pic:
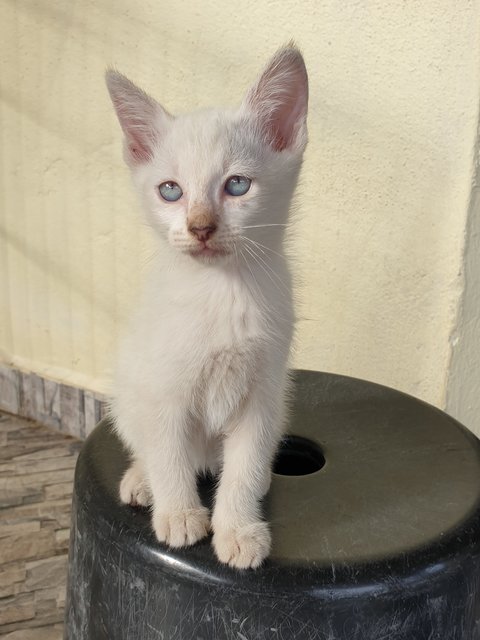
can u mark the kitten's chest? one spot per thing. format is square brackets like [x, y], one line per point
[233, 336]
[229, 317]
[230, 366]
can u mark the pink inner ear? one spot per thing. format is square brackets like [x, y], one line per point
[280, 99]
[136, 120]
[139, 147]
[139, 116]
[286, 120]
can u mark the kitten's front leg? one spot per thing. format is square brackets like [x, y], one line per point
[134, 489]
[241, 538]
[178, 517]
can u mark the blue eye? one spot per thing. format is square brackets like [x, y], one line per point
[170, 191]
[237, 185]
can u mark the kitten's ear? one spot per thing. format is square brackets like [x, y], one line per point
[141, 117]
[279, 100]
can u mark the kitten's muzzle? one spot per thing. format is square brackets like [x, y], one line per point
[202, 233]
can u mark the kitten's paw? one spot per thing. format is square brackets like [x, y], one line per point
[134, 489]
[181, 528]
[243, 547]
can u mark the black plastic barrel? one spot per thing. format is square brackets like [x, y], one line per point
[375, 515]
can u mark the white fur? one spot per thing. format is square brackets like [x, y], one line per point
[202, 375]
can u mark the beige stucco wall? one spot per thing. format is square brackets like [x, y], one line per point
[385, 189]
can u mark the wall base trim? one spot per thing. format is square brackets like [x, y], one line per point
[68, 409]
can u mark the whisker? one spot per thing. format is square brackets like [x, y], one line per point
[264, 307]
[257, 286]
[146, 260]
[260, 226]
[259, 244]
[257, 260]
[236, 253]
[266, 310]
[272, 271]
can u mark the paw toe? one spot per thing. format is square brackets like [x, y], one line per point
[181, 528]
[134, 489]
[243, 547]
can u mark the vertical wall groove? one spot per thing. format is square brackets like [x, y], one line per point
[463, 388]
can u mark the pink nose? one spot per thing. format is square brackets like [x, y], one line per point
[203, 233]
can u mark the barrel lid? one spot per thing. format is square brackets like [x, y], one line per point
[392, 491]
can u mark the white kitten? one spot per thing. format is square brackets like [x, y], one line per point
[202, 375]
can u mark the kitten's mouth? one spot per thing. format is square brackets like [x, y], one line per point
[207, 252]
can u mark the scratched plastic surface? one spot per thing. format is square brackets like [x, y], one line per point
[381, 543]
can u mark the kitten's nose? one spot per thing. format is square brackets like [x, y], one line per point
[203, 233]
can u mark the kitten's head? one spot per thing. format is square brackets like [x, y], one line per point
[211, 180]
